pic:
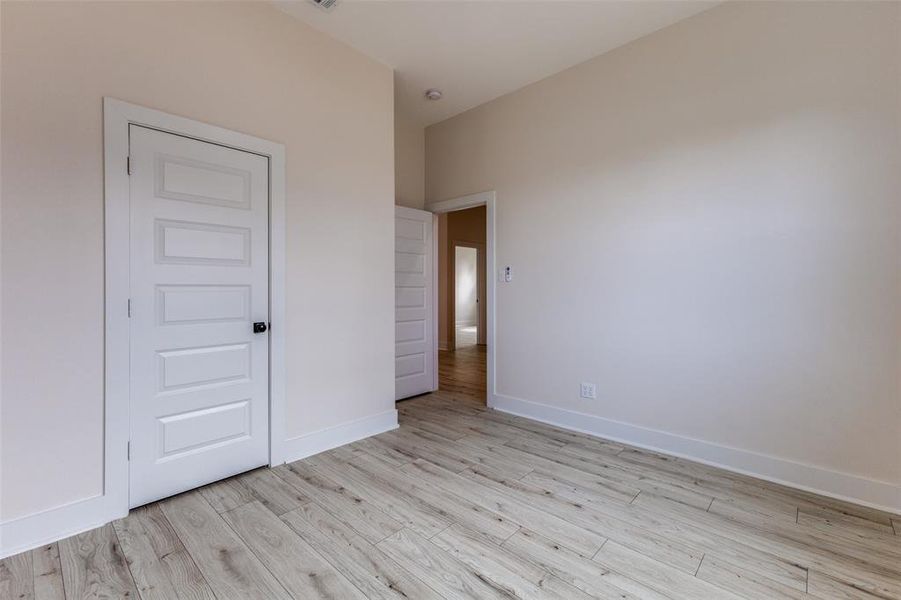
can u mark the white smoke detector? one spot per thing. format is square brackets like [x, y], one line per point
[326, 5]
[433, 94]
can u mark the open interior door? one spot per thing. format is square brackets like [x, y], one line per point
[414, 352]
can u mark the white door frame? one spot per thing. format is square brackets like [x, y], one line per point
[489, 201]
[117, 117]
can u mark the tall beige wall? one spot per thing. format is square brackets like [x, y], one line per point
[705, 223]
[243, 66]
[409, 161]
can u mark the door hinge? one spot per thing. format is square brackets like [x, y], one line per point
[128, 449]
[128, 165]
[129, 308]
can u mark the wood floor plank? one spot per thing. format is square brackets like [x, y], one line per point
[608, 467]
[746, 492]
[272, 491]
[851, 522]
[403, 446]
[374, 572]
[518, 511]
[763, 564]
[406, 510]
[666, 580]
[157, 559]
[458, 510]
[471, 423]
[356, 512]
[601, 485]
[94, 566]
[443, 455]
[226, 495]
[666, 550]
[463, 373]
[521, 578]
[475, 456]
[297, 566]
[441, 571]
[858, 572]
[886, 558]
[745, 583]
[578, 570]
[445, 430]
[823, 586]
[229, 567]
[260, 484]
[48, 573]
[543, 430]
[376, 447]
[17, 577]
[850, 528]
[725, 487]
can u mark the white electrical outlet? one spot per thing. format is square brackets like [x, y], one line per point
[588, 391]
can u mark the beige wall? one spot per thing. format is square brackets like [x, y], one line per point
[409, 161]
[458, 226]
[243, 66]
[706, 224]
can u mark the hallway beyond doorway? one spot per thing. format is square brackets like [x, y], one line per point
[463, 373]
[466, 336]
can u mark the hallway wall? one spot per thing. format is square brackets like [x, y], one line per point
[466, 274]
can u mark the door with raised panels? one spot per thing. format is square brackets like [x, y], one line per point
[414, 354]
[199, 308]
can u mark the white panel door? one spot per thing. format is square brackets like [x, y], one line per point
[199, 280]
[414, 354]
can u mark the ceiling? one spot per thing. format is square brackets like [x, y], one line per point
[477, 50]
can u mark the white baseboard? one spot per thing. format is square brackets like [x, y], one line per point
[881, 495]
[32, 531]
[338, 435]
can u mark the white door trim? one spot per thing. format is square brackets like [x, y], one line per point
[489, 201]
[117, 116]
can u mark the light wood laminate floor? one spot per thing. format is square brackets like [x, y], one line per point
[465, 502]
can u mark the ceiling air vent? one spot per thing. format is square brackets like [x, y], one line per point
[326, 5]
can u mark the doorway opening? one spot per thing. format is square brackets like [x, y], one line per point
[462, 314]
[434, 358]
[468, 294]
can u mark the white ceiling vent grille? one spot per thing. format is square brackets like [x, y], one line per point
[326, 5]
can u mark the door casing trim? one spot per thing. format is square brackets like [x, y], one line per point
[117, 117]
[489, 201]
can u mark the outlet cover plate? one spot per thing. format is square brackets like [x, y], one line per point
[588, 391]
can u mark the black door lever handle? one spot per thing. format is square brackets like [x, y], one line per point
[260, 327]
